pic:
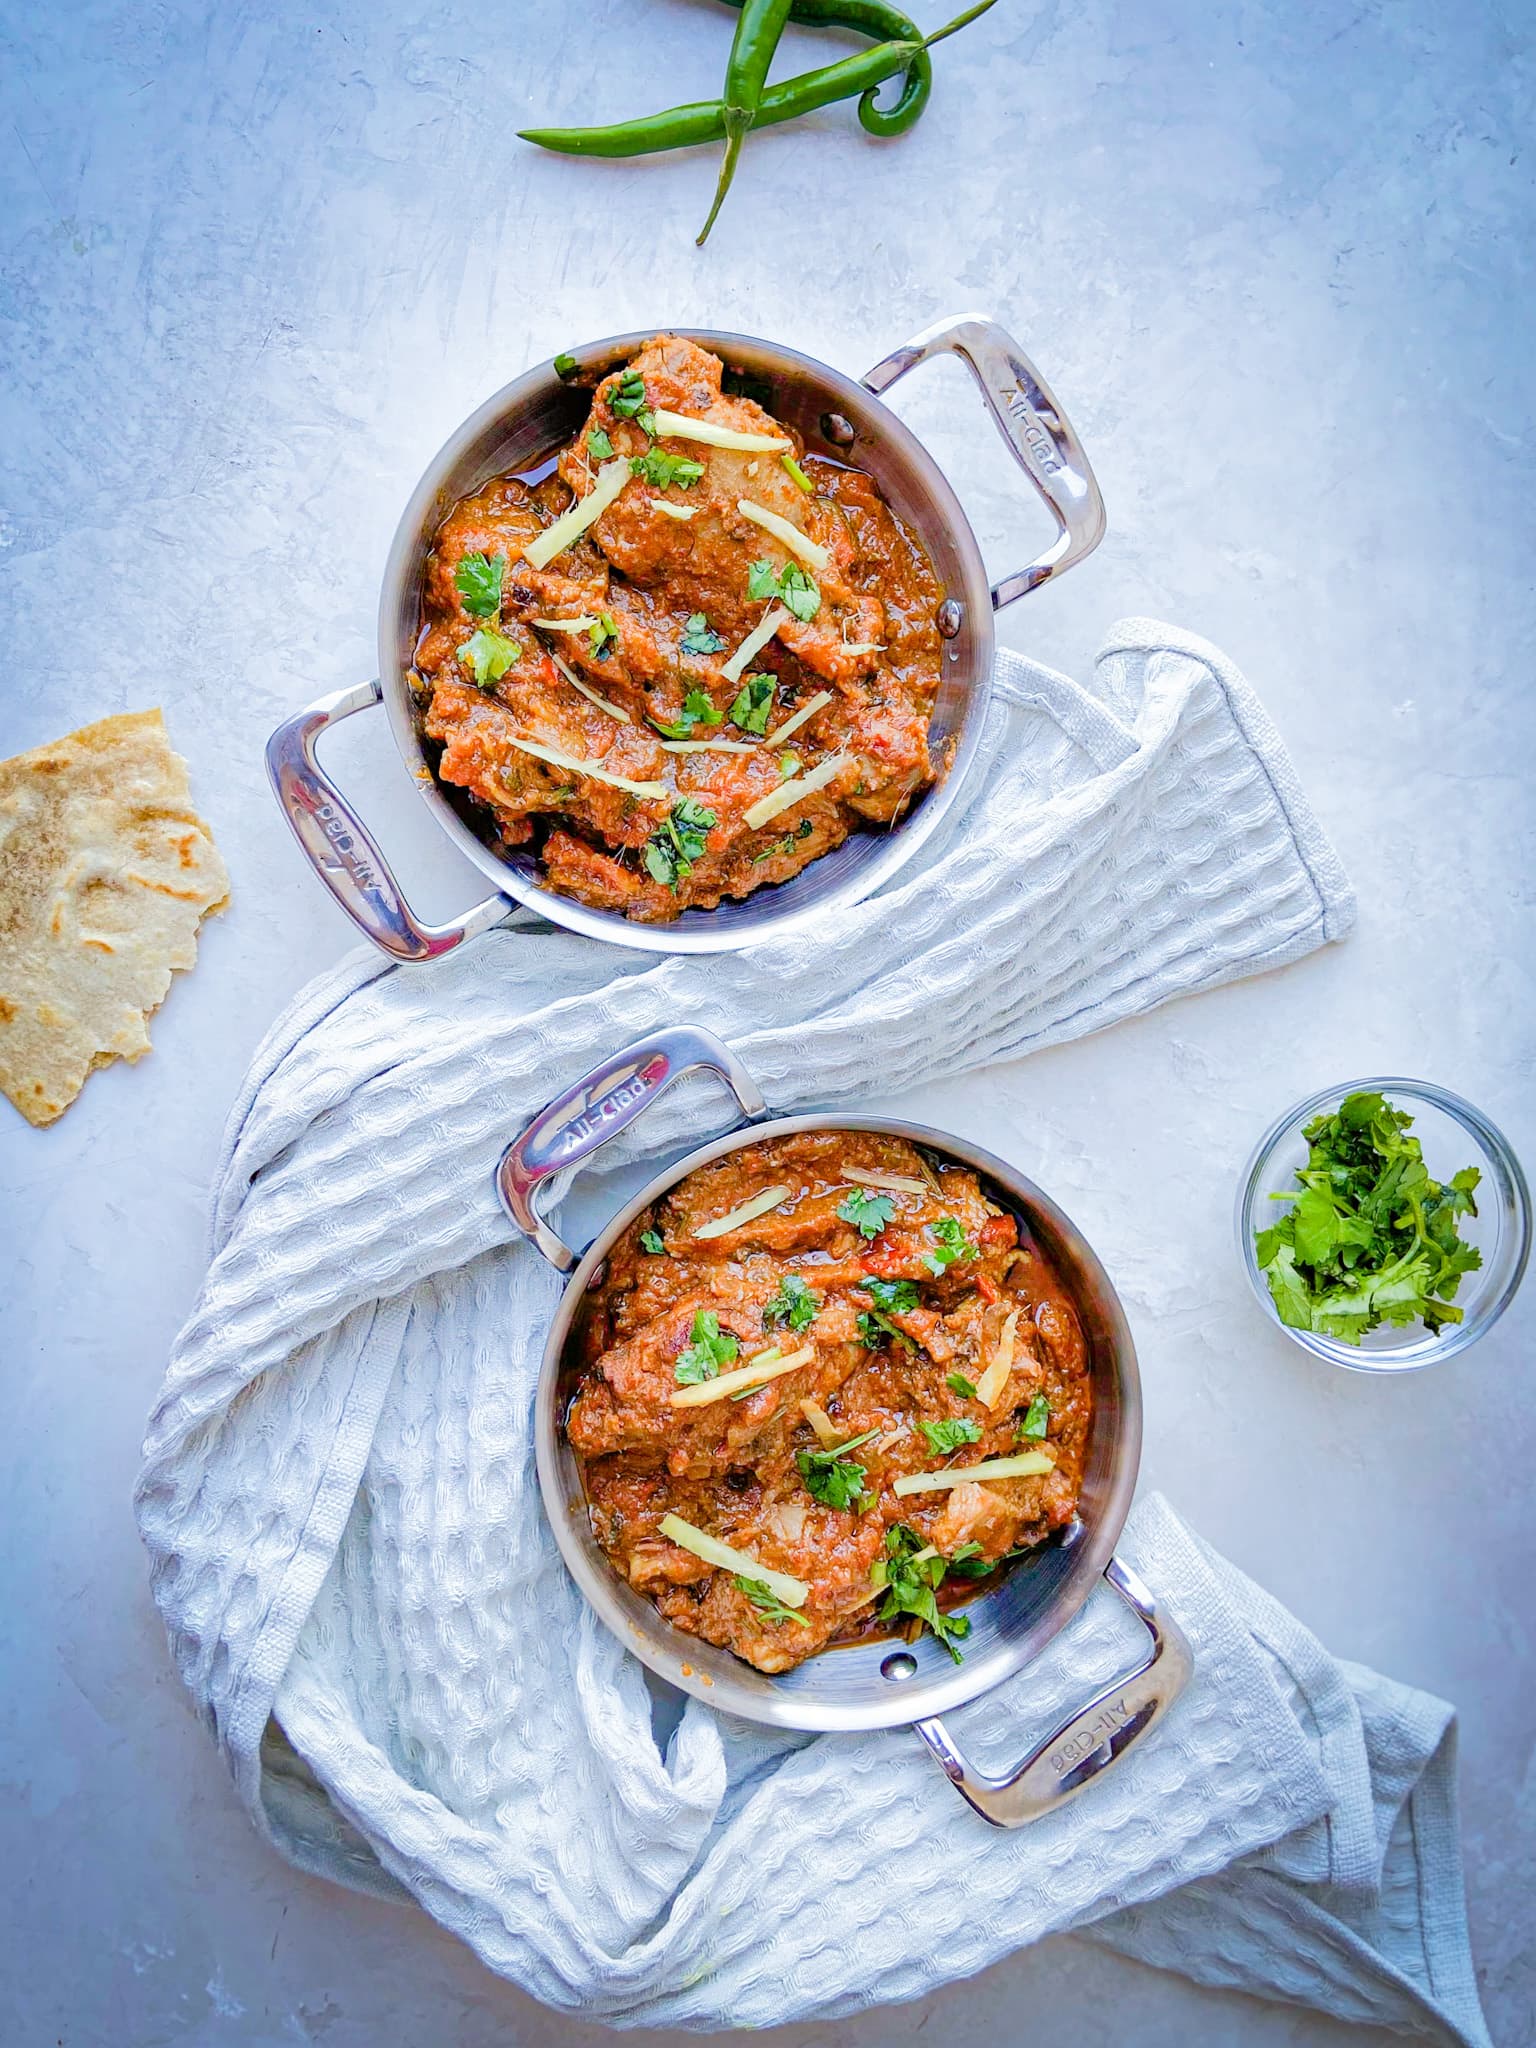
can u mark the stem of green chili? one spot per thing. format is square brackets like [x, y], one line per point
[704, 120]
[882, 24]
[752, 47]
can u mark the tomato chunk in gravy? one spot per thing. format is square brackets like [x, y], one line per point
[595, 704]
[768, 1376]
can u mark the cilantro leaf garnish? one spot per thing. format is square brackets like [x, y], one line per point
[678, 841]
[699, 637]
[1037, 1420]
[795, 1305]
[785, 845]
[957, 1383]
[598, 445]
[603, 636]
[794, 589]
[950, 1434]
[1370, 1237]
[711, 1348]
[767, 1603]
[626, 395]
[564, 365]
[832, 1477]
[663, 470]
[869, 1214]
[698, 709]
[651, 1241]
[949, 1243]
[874, 1328]
[477, 578]
[754, 704]
[911, 1573]
[488, 655]
[899, 1296]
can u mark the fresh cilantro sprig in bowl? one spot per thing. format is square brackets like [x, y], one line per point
[1385, 1224]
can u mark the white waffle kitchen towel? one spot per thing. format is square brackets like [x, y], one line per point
[340, 1505]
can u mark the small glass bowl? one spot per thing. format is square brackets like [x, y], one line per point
[1453, 1135]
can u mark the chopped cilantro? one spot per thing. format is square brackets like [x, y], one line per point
[710, 1349]
[949, 1243]
[565, 366]
[651, 1241]
[795, 1304]
[949, 1435]
[874, 1327]
[869, 1214]
[598, 445]
[1037, 1420]
[1371, 1237]
[957, 1383]
[698, 709]
[754, 704]
[785, 845]
[488, 655]
[768, 1603]
[626, 395]
[899, 1296]
[699, 637]
[910, 1582]
[794, 589]
[832, 1477]
[663, 470]
[678, 841]
[603, 636]
[478, 579]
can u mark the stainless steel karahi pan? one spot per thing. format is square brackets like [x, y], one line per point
[887, 1683]
[835, 414]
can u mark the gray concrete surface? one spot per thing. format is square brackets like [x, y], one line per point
[255, 263]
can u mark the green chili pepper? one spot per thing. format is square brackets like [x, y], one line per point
[882, 24]
[704, 120]
[752, 47]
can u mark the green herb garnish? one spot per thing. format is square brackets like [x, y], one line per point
[794, 589]
[626, 396]
[754, 704]
[832, 1477]
[911, 1581]
[488, 655]
[698, 709]
[651, 1241]
[603, 636]
[869, 1214]
[663, 470]
[598, 445]
[1037, 1421]
[1370, 1238]
[957, 1383]
[795, 1305]
[699, 637]
[564, 365]
[798, 474]
[899, 1296]
[874, 1328]
[949, 1243]
[787, 844]
[767, 1604]
[947, 1436]
[478, 579]
[710, 1349]
[678, 841]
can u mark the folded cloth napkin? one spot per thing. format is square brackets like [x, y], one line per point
[339, 1499]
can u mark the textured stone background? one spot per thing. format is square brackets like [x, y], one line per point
[257, 261]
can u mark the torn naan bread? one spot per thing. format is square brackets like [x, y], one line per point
[106, 872]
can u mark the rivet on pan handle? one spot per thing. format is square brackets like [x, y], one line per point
[1037, 431]
[600, 1105]
[340, 848]
[1092, 1740]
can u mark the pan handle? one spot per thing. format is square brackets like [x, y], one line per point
[340, 848]
[1037, 431]
[600, 1105]
[1089, 1742]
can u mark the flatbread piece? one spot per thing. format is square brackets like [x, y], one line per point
[106, 872]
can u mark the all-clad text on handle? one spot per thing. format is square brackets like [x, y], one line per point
[596, 1108]
[1037, 431]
